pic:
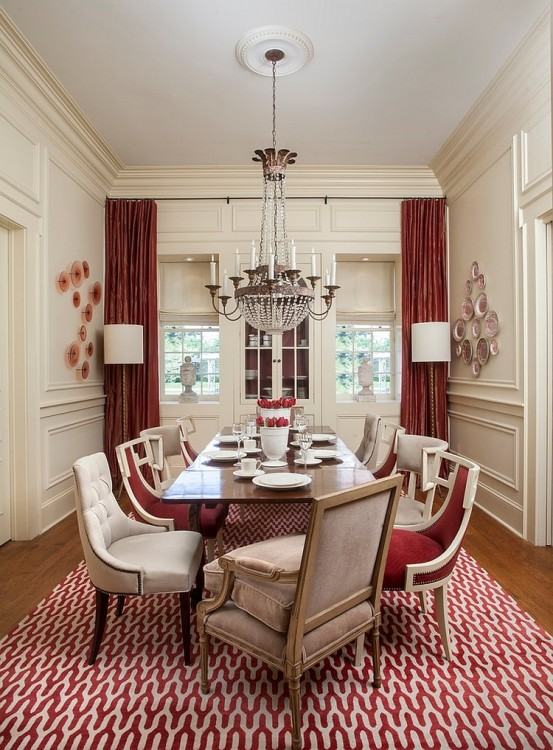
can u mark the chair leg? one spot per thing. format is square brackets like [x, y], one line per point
[359, 650]
[220, 545]
[120, 604]
[185, 624]
[294, 690]
[440, 600]
[204, 663]
[198, 590]
[102, 601]
[375, 641]
[210, 549]
[422, 600]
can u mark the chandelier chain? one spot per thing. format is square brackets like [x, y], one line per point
[274, 105]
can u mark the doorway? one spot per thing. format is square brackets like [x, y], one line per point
[5, 421]
[549, 436]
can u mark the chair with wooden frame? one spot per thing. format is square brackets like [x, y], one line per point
[335, 591]
[366, 452]
[422, 557]
[138, 456]
[125, 557]
[417, 457]
[385, 465]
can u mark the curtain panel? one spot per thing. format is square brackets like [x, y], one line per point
[131, 297]
[424, 299]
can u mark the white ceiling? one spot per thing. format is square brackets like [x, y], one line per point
[389, 81]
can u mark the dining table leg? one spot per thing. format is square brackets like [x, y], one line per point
[194, 517]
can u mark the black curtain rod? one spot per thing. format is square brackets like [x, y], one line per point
[325, 198]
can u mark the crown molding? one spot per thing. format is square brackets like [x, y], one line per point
[521, 85]
[317, 181]
[30, 79]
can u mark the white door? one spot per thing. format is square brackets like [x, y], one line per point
[5, 463]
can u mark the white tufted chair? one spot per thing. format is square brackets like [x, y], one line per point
[127, 557]
[367, 450]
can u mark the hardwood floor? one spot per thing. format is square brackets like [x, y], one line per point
[30, 570]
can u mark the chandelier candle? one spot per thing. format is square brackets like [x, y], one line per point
[275, 297]
[213, 272]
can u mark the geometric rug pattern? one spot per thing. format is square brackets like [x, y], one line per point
[496, 692]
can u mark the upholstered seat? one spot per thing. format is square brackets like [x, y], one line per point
[407, 548]
[294, 600]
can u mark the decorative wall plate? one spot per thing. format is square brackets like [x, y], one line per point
[458, 350]
[481, 281]
[89, 349]
[466, 350]
[475, 328]
[468, 288]
[76, 299]
[482, 351]
[84, 369]
[63, 282]
[459, 329]
[96, 293]
[86, 269]
[491, 324]
[481, 305]
[467, 309]
[474, 270]
[494, 347]
[82, 333]
[88, 312]
[475, 368]
[77, 274]
[72, 354]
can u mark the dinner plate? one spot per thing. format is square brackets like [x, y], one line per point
[224, 455]
[311, 462]
[282, 481]
[226, 439]
[321, 437]
[247, 474]
[327, 455]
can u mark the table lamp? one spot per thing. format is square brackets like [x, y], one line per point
[431, 342]
[124, 345]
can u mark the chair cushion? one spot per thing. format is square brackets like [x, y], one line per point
[409, 511]
[212, 519]
[269, 602]
[169, 561]
[407, 548]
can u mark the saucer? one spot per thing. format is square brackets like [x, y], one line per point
[247, 475]
[274, 464]
[313, 462]
[252, 450]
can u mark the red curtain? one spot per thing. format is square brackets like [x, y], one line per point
[131, 297]
[424, 299]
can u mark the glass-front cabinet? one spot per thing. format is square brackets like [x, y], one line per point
[274, 366]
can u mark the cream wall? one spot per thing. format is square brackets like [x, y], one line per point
[54, 174]
[496, 172]
[351, 228]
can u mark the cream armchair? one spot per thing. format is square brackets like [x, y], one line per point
[291, 616]
[418, 457]
[129, 558]
[367, 450]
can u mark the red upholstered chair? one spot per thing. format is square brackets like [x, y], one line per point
[386, 449]
[135, 458]
[423, 557]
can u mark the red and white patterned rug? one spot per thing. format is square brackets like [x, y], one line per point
[496, 693]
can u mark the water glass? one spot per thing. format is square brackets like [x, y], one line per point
[251, 426]
[305, 441]
[239, 430]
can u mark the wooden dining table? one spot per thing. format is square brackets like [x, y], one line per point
[208, 481]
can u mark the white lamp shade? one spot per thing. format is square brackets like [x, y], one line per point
[430, 342]
[123, 344]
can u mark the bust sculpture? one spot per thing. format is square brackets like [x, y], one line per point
[365, 375]
[188, 378]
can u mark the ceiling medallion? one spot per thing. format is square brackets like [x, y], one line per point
[252, 49]
[275, 298]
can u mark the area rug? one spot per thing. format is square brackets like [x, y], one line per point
[496, 692]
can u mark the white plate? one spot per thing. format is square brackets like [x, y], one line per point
[246, 474]
[320, 437]
[327, 454]
[282, 481]
[274, 464]
[223, 455]
[226, 439]
[313, 462]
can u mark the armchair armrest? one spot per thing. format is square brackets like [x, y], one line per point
[251, 566]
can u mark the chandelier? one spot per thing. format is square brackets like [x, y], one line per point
[275, 297]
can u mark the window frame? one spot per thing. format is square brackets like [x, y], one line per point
[194, 324]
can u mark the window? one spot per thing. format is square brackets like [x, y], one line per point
[356, 342]
[201, 343]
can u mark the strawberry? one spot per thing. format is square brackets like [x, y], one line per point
[280, 422]
[271, 422]
[260, 421]
[286, 423]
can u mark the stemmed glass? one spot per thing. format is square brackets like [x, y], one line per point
[305, 440]
[299, 417]
[251, 427]
[239, 430]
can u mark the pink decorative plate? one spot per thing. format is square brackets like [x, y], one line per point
[481, 305]
[474, 270]
[466, 350]
[459, 328]
[482, 351]
[475, 368]
[72, 354]
[96, 293]
[86, 269]
[85, 370]
[88, 312]
[82, 333]
[468, 288]
[63, 282]
[467, 309]
[491, 324]
[481, 281]
[494, 347]
[76, 299]
[77, 273]
[89, 349]
[458, 350]
[475, 328]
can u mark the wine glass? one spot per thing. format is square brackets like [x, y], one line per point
[299, 415]
[238, 430]
[305, 441]
[300, 424]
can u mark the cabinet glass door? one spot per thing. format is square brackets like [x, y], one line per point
[295, 361]
[258, 364]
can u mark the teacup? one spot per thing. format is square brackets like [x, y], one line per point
[310, 455]
[249, 466]
[249, 444]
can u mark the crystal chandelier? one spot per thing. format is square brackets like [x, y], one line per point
[275, 298]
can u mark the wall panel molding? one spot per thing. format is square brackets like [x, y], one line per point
[52, 480]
